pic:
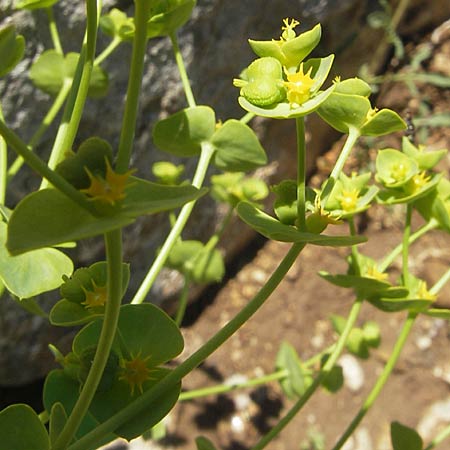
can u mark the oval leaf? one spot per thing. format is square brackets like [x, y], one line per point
[34, 272]
[12, 47]
[405, 438]
[183, 133]
[237, 148]
[21, 429]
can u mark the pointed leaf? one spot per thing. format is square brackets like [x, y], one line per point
[273, 229]
[237, 148]
[58, 419]
[183, 133]
[34, 4]
[405, 438]
[34, 272]
[12, 47]
[383, 122]
[21, 429]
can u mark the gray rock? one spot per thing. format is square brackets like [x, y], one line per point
[214, 46]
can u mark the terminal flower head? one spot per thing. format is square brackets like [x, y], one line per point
[299, 86]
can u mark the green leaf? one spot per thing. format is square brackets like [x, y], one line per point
[52, 69]
[167, 17]
[204, 443]
[334, 380]
[353, 86]
[34, 4]
[21, 429]
[183, 133]
[285, 204]
[237, 148]
[47, 217]
[344, 111]
[167, 172]
[34, 272]
[425, 160]
[438, 313]
[394, 168]
[298, 379]
[12, 47]
[383, 122]
[116, 24]
[58, 419]
[273, 229]
[405, 438]
[284, 110]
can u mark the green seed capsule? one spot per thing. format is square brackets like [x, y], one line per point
[264, 91]
[264, 67]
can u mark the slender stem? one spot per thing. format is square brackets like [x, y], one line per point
[107, 51]
[48, 119]
[223, 388]
[215, 238]
[43, 170]
[54, 30]
[389, 259]
[329, 364]
[444, 434]
[205, 157]
[141, 14]
[113, 241]
[3, 163]
[182, 69]
[355, 252]
[353, 136]
[381, 380]
[182, 302]
[134, 408]
[44, 417]
[301, 174]
[441, 282]
[247, 117]
[405, 244]
[79, 90]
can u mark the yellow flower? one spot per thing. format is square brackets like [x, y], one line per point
[373, 272]
[109, 189]
[96, 297]
[288, 30]
[417, 182]
[135, 372]
[349, 199]
[424, 293]
[298, 86]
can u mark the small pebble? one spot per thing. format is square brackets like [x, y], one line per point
[353, 373]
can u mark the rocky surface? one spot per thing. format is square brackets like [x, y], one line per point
[215, 50]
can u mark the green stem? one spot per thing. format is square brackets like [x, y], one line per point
[205, 157]
[54, 30]
[224, 388]
[43, 170]
[247, 117]
[3, 163]
[113, 242]
[441, 282]
[444, 434]
[381, 380]
[215, 238]
[135, 408]
[353, 135]
[389, 259]
[48, 119]
[182, 69]
[405, 244]
[355, 252]
[79, 90]
[107, 51]
[182, 303]
[329, 364]
[301, 174]
[141, 14]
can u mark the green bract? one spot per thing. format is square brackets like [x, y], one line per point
[47, 217]
[350, 195]
[34, 4]
[271, 228]
[233, 187]
[117, 24]
[167, 172]
[33, 272]
[140, 351]
[425, 160]
[21, 429]
[236, 147]
[290, 49]
[84, 295]
[12, 47]
[52, 69]
[301, 94]
[348, 107]
[394, 168]
[196, 261]
[166, 16]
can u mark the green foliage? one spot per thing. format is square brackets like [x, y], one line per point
[12, 47]
[21, 429]
[203, 443]
[34, 4]
[405, 438]
[52, 70]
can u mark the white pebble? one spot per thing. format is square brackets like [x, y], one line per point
[353, 372]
